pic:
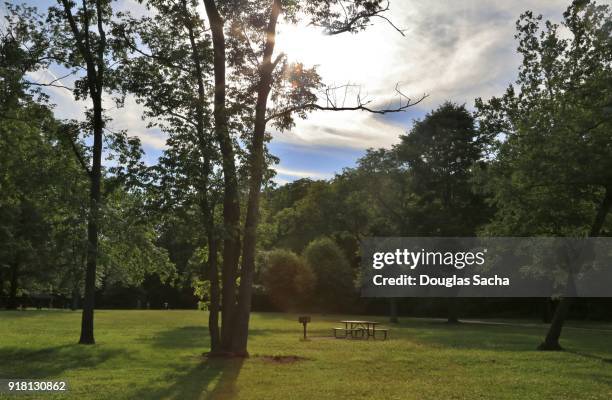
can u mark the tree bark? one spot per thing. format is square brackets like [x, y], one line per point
[551, 341]
[256, 168]
[231, 199]
[87, 320]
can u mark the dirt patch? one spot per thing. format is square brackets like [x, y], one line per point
[282, 359]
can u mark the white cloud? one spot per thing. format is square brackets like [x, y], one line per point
[129, 117]
[453, 50]
[299, 174]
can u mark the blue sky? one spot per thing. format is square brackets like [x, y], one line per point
[452, 50]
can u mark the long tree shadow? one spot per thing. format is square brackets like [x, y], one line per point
[51, 361]
[180, 338]
[211, 379]
[196, 337]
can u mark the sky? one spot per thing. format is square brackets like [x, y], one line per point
[451, 50]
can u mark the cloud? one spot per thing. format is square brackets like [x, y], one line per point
[452, 50]
[129, 117]
[300, 174]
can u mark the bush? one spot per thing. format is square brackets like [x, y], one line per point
[334, 289]
[287, 280]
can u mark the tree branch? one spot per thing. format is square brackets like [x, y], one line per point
[405, 103]
[77, 153]
[358, 21]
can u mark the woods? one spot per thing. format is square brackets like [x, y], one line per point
[82, 214]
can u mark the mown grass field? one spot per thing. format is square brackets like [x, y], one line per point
[158, 355]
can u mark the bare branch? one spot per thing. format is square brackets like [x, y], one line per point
[47, 85]
[358, 21]
[405, 102]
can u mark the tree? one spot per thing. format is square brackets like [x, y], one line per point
[36, 171]
[292, 88]
[334, 287]
[552, 174]
[440, 154]
[167, 68]
[75, 39]
[287, 279]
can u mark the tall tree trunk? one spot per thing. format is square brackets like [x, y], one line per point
[207, 208]
[95, 67]
[213, 316]
[14, 281]
[231, 199]
[87, 320]
[256, 168]
[551, 342]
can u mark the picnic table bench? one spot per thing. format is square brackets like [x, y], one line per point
[360, 329]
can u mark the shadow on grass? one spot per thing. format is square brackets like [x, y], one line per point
[185, 337]
[51, 361]
[213, 379]
[197, 337]
[210, 378]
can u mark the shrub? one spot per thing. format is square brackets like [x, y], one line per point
[334, 288]
[287, 279]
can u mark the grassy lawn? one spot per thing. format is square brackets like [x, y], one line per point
[157, 355]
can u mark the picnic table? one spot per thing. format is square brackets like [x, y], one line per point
[358, 328]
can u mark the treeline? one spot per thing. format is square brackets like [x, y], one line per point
[82, 216]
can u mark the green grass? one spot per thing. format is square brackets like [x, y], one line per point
[158, 355]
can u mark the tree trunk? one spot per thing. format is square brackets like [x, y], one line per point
[256, 168]
[231, 199]
[87, 320]
[452, 310]
[213, 316]
[551, 342]
[95, 67]
[207, 207]
[14, 281]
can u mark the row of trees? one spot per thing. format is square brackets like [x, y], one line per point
[213, 83]
[531, 162]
